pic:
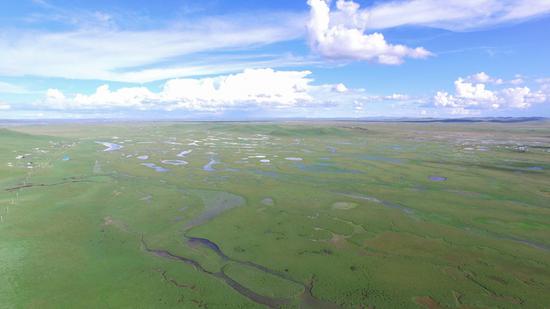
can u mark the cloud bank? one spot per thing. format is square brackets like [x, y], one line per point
[472, 93]
[252, 87]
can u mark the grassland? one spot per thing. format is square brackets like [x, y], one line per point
[289, 215]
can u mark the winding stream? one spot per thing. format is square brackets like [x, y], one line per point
[260, 299]
[306, 297]
[215, 205]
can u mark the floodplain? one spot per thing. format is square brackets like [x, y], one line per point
[280, 215]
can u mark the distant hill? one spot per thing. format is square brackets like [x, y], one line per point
[481, 119]
[16, 122]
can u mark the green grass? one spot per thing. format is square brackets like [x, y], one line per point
[361, 224]
[261, 282]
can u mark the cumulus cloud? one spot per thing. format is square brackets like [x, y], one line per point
[453, 14]
[253, 86]
[133, 97]
[252, 89]
[342, 35]
[340, 88]
[522, 97]
[483, 77]
[471, 94]
[256, 87]
[55, 95]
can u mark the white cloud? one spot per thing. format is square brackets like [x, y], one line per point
[397, 97]
[340, 88]
[251, 89]
[518, 80]
[346, 39]
[543, 81]
[522, 97]
[544, 84]
[485, 78]
[481, 77]
[453, 14]
[134, 97]
[11, 88]
[55, 95]
[4, 106]
[471, 95]
[115, 54]
[256, 87]
[473, 92]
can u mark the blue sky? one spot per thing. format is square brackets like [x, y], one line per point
[267, 59]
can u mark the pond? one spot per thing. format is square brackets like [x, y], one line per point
[157, 168]
[110, 146]
[294, 159]
[174, 162]
[208, 167]
[184, 153]
[268, 201]
[343, 205]
[214, 203]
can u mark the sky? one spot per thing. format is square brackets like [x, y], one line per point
[240, 60]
